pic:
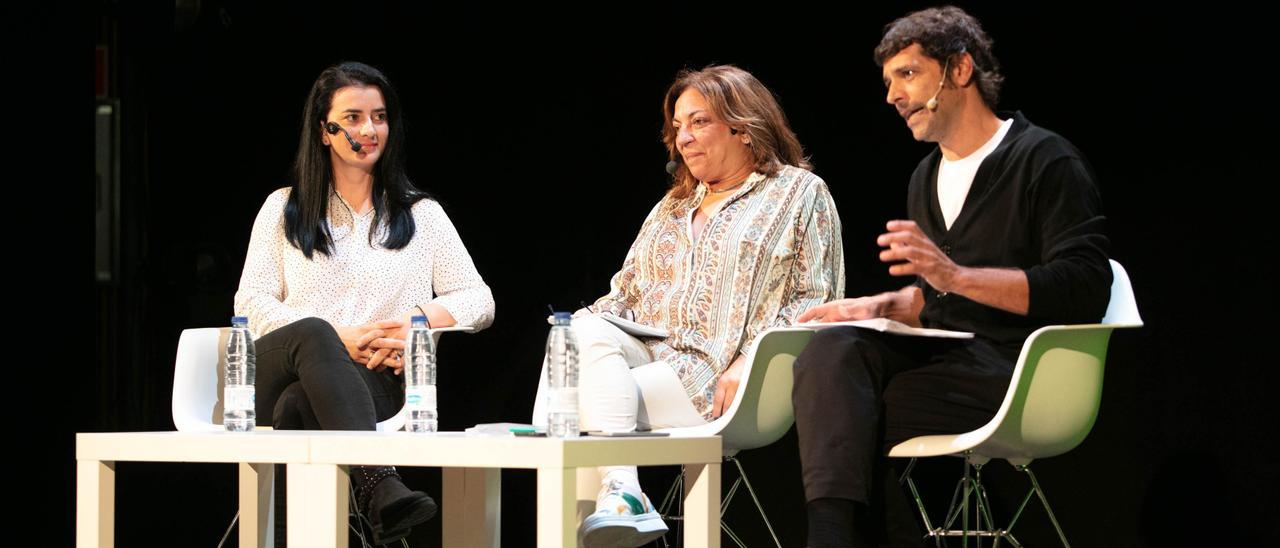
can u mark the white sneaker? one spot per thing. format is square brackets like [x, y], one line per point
[621, 519]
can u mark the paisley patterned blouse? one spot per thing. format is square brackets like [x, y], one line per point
[772, 251]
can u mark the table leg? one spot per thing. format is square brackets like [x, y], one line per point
[317, 505]
[257, 483]
[557, 507]
[95, 504]
[472, 507]
[702, 505]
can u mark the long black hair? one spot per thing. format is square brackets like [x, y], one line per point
[393, 194]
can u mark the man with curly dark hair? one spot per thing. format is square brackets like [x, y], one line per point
[1004, 236]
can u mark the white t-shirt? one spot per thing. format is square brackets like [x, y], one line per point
[956, 176]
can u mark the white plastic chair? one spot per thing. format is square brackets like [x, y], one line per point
[759, 415]
[1051, 405]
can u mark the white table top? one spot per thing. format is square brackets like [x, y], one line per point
[261, 446]
[444, 449]
[462, 450]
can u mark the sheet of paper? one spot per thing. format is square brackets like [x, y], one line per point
[891, 326]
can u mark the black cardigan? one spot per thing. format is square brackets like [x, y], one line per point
[1034, 206]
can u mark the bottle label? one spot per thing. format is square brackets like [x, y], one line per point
[420, 396]
[564, 400]
[238, 398]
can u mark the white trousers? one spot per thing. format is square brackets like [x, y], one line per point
[620, 388]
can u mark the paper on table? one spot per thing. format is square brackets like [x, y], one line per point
[886, 325]
[629, 327]
[497, 428]
[635, 329]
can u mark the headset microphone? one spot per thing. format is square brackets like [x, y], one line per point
[333, 129]
[932, 105]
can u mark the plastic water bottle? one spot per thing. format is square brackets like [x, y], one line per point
[420, 378]
[562, 370]
[237, 393]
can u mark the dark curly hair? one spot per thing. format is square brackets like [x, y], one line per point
[944, 33]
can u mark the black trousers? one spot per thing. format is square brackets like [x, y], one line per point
[306, 381]
[859, 392]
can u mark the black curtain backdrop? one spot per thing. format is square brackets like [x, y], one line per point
[537, 128]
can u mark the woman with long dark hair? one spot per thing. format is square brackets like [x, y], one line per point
[337, 264]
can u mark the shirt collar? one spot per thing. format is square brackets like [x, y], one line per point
[701, 191]
[342, 217]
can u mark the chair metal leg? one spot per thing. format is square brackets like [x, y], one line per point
[732, 535]
[673, 497]
[971, 494]
[673, 494]
[677, 487]
[956, 510]
[728, 497]
[742, 475]
[953, 509]
[964, 505]
[915, 494]
[1023, 506]
[1035, 486]
[1007, 532]
[970, 486]
[984, 509]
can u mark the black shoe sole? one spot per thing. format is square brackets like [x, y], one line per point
[399, 518]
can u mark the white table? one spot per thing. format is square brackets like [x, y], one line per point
[316, 464]
[256, 453]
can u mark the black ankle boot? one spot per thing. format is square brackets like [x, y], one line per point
[391, 507]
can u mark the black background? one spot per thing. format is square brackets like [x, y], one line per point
[537, 127]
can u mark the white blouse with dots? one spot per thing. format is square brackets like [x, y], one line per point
[358, 282]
